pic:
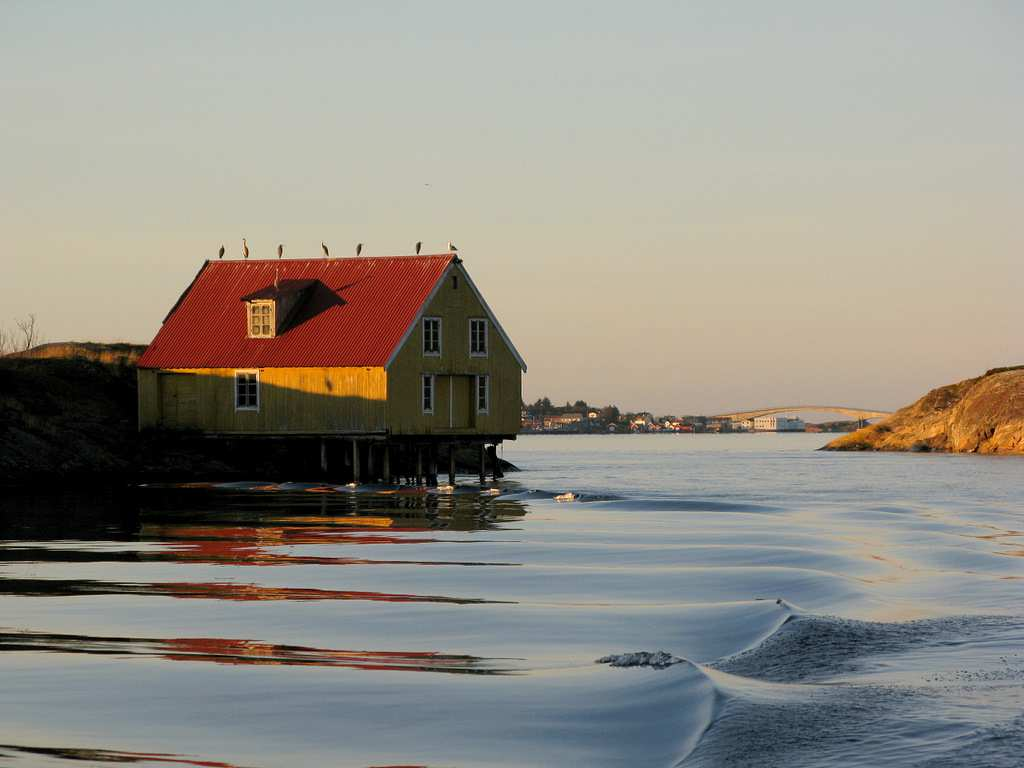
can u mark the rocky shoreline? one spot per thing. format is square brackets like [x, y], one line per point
[980, 415]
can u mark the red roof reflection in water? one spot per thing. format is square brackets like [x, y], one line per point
[114, 756]
[121, 756]
[281, 535]
[234, 651]
[250, 545]
[225, 651]
[217, 590]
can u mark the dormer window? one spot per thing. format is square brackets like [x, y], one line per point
[262, 322]
[270, 311]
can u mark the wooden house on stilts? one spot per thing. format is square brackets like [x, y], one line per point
[392, 357]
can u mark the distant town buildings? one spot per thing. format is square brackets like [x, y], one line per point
[567, 422]
[581, 418]
[643, 422]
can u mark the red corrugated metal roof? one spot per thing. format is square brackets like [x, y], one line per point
[355, 314]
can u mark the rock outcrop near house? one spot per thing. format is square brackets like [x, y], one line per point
[117, 353]
[981, 415]
[65, 416]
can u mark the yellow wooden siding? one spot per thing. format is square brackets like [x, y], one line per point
[292, 401]
[455, 307]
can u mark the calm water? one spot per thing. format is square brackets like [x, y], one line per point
[818, 610]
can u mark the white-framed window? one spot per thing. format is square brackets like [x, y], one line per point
[478, 337]
[483, 394]
[432, 336]
[247, 390]
[427, 396]
[261, 320]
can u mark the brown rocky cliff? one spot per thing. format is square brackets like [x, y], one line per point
[982, 415]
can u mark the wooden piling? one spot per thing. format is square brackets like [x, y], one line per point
[483, 465]
[370, 463]
[419, 465]
[355, 461]
[432, 480]
[323, 455]
[495, 469]
[451, 463]
[387, 463]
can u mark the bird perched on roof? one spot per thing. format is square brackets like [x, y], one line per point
[418, 246]
[220, 253]
[451, 246]
[245, 249]
[359, 248]
[280, 250]
[327, 254]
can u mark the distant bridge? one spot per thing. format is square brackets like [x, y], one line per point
[856, 413]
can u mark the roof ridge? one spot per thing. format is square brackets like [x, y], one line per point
[325, 259]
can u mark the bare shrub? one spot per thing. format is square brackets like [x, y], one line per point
[22, 338]
[29, 333]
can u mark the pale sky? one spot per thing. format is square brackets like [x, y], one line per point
[689, 207]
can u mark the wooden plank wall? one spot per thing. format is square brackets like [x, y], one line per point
[292, 401]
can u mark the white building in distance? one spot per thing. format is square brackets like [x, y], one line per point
[778, 424]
